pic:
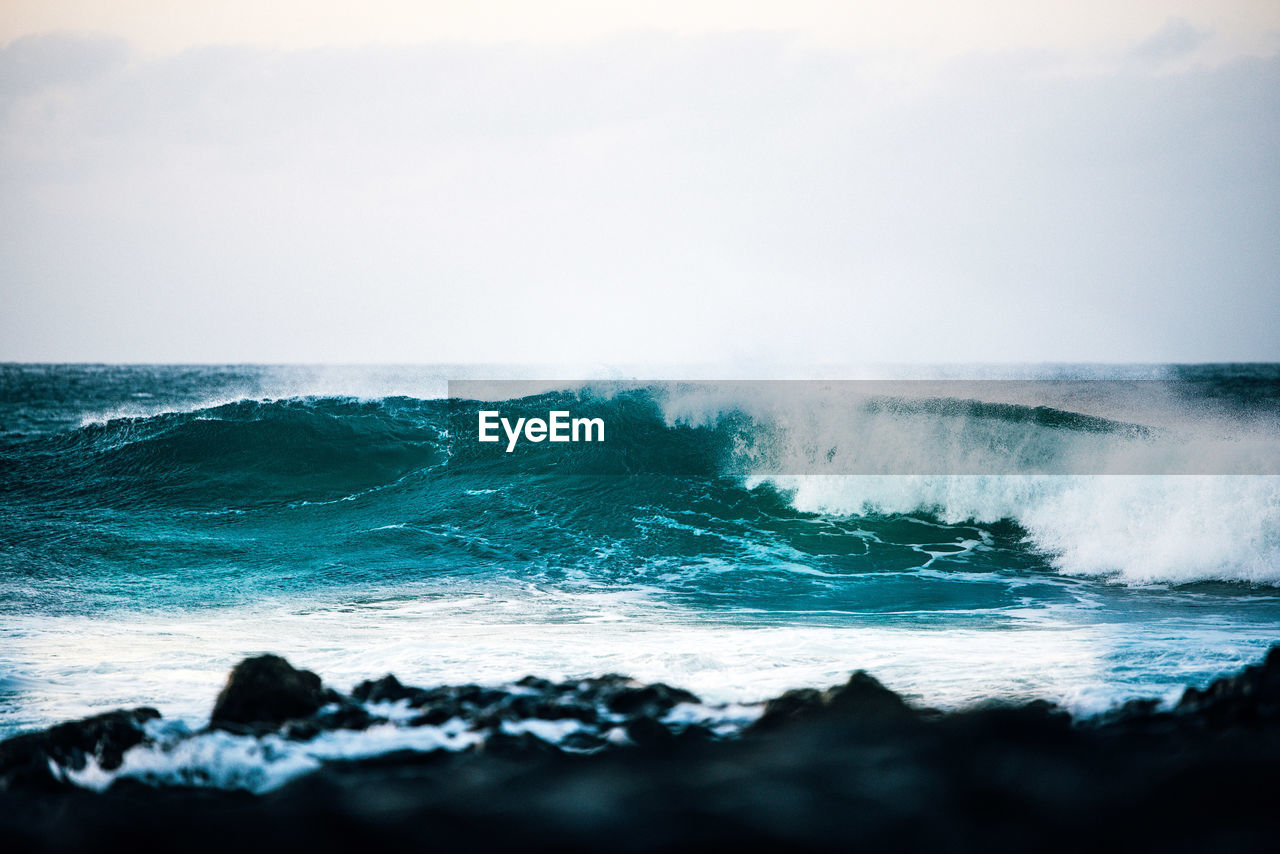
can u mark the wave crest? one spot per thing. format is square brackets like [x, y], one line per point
[1137, 529]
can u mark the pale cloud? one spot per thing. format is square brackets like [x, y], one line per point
[922, 28]
[640, 198]
[1177, 38]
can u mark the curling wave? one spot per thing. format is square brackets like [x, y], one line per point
[1065, 478]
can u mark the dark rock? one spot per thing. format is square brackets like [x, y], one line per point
[608, 683]
[648, 700]
[386, 689]
[510, 709]
[864, 697]
[24, 759]
[543, 685]
[649, 733]
[997, 779]
[557, 710]
[797, 704]
[435, 715]
[345, 715]
[694, 734]
[478, 697]
[299, 730]
[524, 744]
[1249, 697]
[516, 707]
[445, 694]
[583, 741]
[266, 691]
[1140, 708]
[1039, 720]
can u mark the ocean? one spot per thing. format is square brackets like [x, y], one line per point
[962, 540]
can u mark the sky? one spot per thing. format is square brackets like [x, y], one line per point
[567, 182]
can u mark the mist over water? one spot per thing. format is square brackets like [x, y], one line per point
[737, 539]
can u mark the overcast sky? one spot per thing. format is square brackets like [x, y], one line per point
[799, 182]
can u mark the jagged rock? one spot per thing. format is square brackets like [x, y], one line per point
[477, 697]
[796, 704]
[1004, 778]
[298, 730]
[647, 732]
[434, 716]
[1038, 720]
[345, 715]
[24, 759]
[565, 708]
[1144, 707]
[519, 745]
[583, 741]
[1250, 696]
[694, 734]
[538, 684]
[649, 700]
[386, 689]
[515, 707]
[265, 691]
[608, 683]
[424, 698]
[862, 698]
[865, 697]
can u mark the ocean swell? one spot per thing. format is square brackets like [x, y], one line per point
[1135, 483]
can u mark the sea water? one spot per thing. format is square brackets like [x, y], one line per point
[159, 523]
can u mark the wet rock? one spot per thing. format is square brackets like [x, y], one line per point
[862, 699]
[24, 759]
[1038, 720]
[386, 689]
[1249, 697]
[1001, 778]
[534, 682]
[477, 697]
[583, 741]
[1138, 709]
[345, 715]
[299, 730]
[863, 696]
[694, 734]
[796, 704]
[521, 745]
[424, 698]
[649, 700]
[648, 733]
[516, 707]
[435, 715]
[606, 684]
[266, 691]
[564, 709]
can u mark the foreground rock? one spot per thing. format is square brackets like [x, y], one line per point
[1251, 696]
[30, 760]
[266, 691]
[862, 698]
[853, 768]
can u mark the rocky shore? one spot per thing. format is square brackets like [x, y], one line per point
[610, 764]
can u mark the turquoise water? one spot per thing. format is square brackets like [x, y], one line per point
[158, 523]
